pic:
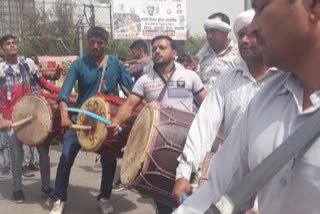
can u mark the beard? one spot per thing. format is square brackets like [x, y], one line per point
[162, 63]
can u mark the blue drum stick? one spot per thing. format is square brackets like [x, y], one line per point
[93, 115]
[184, 197]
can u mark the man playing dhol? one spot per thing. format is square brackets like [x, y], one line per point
[88, 71]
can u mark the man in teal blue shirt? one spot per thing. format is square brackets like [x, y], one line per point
[88, 71]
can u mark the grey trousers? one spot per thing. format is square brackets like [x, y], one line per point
[16, 150]
[31, 155]
[6, 150]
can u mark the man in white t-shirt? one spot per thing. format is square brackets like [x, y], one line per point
[182, 86]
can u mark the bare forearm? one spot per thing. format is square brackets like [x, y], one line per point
[127, 108]
[64, 114]
[50, 75]
[123, 114]
[201, 96]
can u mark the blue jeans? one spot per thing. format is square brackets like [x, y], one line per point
[6, 151]
[70, 150]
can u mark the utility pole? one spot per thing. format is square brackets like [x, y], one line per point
[91, 20]
[110, 17]
[80, 40]
[247, 4]
[92, 17]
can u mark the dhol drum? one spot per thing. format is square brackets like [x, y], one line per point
[150, 157]
[95, 140]
[36, 130]
[202, 175]
[44, 127]
[56, 134]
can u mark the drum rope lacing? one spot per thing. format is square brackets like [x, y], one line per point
[55, 106]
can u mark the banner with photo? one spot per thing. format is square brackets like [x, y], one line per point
[145, 19]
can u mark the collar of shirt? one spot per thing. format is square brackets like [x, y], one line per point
[175, 66]
[90, 60]
[244, 69]
[231, 46]
[206, 51]
[293, 85]
[222, 53]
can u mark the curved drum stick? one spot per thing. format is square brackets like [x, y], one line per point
[22, 122]
[93, 115]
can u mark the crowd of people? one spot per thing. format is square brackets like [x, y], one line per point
[257, 90]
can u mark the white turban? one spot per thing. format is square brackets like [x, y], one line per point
[217, 24]
[243, 20]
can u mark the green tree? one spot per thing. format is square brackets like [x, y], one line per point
[52, 33]
[194, 44]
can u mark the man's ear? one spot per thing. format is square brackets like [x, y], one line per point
[315, 11]
[174, 54]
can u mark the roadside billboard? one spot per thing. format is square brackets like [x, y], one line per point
[145, 19]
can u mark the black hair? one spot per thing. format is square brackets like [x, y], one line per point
[98, 32]
[139, 44]
[184, 58]
[223, 17]
[33, 57]
[314, 3]
[172, 42]
[6, 38]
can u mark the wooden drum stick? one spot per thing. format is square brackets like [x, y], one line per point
[22, 122]
[80, 127]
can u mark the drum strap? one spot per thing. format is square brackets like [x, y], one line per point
[24, 79]
[123, 88]
[104, 68]
[163, 91]
[292, 148]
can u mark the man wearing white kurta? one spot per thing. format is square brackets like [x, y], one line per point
[226, 102]
[277, 111]
[219, 53]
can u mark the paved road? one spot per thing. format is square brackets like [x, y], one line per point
[83, 189]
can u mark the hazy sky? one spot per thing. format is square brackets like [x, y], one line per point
[199, 10]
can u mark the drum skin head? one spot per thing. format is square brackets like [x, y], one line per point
[37, 130]
[139, 142]
[91, 140]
